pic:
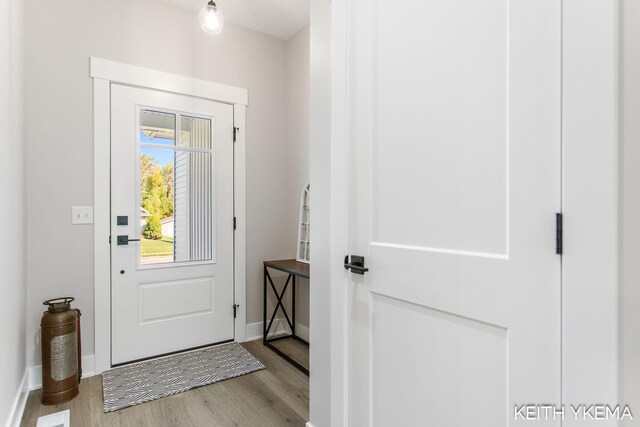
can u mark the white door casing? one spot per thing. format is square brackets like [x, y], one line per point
[105, 73]
[454, 154]
[172, 306]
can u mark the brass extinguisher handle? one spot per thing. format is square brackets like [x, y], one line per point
[79, 347]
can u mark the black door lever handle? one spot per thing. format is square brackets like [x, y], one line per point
[124, 240]
[356, 265]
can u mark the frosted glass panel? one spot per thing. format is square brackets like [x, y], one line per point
[193, 214]
[195, 132]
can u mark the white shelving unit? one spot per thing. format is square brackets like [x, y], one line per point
[303, 227]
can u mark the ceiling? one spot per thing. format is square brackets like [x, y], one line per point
[278, 18]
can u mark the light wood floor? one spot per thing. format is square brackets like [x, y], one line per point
[295, 350]
[276, 396]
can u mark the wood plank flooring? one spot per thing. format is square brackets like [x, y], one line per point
[276, 396]
[294, 349]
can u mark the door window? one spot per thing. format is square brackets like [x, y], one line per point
[175, 183]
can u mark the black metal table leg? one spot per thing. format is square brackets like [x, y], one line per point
[280, 305]
[264, 308]
[293, 307]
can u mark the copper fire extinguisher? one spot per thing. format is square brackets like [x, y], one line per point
[61, 351]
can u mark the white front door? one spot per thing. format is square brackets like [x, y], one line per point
[454, 155]
[172, 199]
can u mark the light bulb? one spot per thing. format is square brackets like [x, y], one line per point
[211, 19]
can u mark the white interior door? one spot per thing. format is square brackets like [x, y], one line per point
[172, 188]
[454, 156]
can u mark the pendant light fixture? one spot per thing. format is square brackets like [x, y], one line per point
[211, 18]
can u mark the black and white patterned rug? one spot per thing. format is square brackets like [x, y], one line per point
[145, 381]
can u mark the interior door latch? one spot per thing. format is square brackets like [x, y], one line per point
[356, 265]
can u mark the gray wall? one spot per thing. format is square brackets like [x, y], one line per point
[630, 209]
[60, 37]
[12, 190]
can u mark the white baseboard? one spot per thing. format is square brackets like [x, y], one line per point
[254, 330]
[302, 331]
[19, 403]
[308, 424]
[35, 372]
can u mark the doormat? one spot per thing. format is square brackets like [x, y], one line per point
[145, 381]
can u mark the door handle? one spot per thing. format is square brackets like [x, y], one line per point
[124, 240]
[356, 265]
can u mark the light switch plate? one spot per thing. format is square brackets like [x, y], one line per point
[82, 215]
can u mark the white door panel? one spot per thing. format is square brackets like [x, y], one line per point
[169, 300]
[454, 156]
[182, 297]
[469, 356]
[453, 147]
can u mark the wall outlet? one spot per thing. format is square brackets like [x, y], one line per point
[82, 215]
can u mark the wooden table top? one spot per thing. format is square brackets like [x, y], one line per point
[290, 266]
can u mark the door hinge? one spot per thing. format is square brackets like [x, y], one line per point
[235, 310]
[109, 239]
[559, 233]
[234, 223]
[235, 132]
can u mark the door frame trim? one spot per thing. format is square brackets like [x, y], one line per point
[105, 72]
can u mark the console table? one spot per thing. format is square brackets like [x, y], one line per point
[294, 269]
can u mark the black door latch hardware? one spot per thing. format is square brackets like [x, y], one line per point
[356, 265]
[124, 240]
